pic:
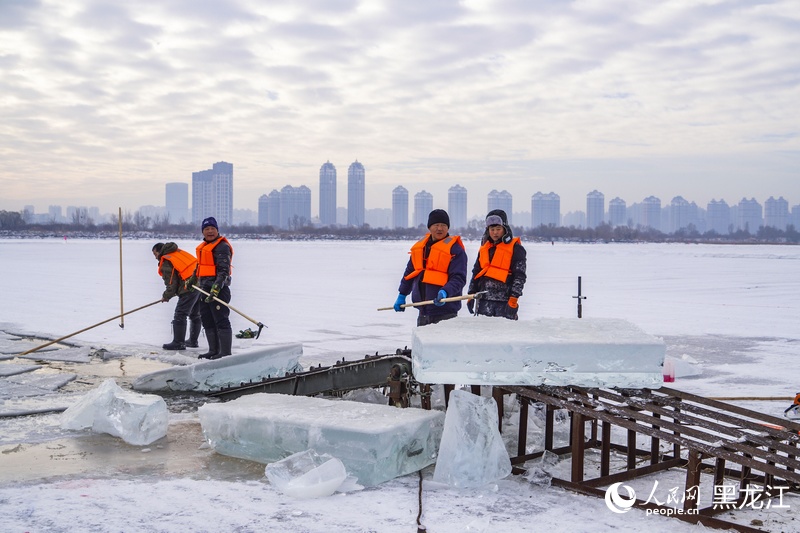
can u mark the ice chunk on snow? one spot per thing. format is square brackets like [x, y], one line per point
[471, 452]
[224, 372]
[591, 352]
[137, 419]
[307, 474]
[376, 443]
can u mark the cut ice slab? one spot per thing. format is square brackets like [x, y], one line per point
[307, 474]
[472, 452]
[227, 371]
[138, 419]
[589, 352]
[375, 443]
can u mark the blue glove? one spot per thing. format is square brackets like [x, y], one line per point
[401, 300]
[439, 297]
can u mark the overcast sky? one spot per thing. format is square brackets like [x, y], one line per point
[102, 103]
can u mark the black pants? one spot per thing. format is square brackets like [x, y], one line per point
[188, 307]
[424, 320]
[215, 315]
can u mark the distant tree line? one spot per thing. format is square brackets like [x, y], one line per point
[13, 224]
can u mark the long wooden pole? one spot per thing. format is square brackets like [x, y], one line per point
[429, 302]
[90, 327]
[121, 306]
[232, 308]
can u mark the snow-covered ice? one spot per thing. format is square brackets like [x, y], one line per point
[727, 311]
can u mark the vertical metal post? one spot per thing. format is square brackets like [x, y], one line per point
[121, 306]
[580, 299]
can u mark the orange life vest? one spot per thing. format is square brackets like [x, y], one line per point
[436, 266]
[205, 258]
[183, 263]
[500, 266]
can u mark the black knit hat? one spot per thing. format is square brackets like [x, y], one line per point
[438, 216]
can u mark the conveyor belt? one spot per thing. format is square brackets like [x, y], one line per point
[372, 371]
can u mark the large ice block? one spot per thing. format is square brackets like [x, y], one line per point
[589, 352]
[137, 419]
[376, 443]
[226, 371]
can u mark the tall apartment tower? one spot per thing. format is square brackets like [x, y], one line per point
[327, 194]
[457, 206]
[595, 209]
[749, 215]
[500, 200]
[400, 207]
[212, 194]
[423, 205]
[718, 215]
[680, 215]
[356, 189]
[295, 207]
[776, 213]
[545, 210]
[617, 212]
[177, 202]
[651, 213]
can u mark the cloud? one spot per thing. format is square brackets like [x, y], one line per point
[443, 89]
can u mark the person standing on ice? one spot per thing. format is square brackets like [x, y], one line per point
[499, 270]
[176, 268]
[436, 270]
[214, 257]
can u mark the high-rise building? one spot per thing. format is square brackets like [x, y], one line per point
[356, 189]
[595, 209]
[794, 219]
[749, 216]
[719, 217]
[263, 210]
[679, 214]
[423, 205]
[295, 207]
[457, 206]
[776, 213]
[212, 193]
[400, 207]
[327, 194]
[545, 210]
[177, 202]
[617, 212]
[55, 213]
[500, 200]
[651, 213]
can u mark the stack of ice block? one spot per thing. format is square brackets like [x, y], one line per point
[376, 443]
[589, 352]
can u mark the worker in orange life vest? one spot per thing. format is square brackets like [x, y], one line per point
[499, 270]
[176, 268]
[436, 270]
[214, 257]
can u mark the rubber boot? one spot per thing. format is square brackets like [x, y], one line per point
[225, 341]
[213, 345]
[194, 333]
[178, 336]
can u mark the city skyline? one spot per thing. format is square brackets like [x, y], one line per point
[103, 104]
